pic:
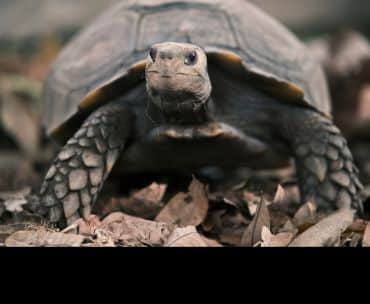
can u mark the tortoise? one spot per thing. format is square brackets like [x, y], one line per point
[161, 86]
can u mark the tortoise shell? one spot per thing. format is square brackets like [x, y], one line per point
[108, 57]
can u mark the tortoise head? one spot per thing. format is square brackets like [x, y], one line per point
[177, 79]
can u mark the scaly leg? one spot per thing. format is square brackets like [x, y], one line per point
[74, 180]
[326, 172]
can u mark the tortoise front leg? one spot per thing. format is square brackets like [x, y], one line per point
[73, 182]
[326, 172]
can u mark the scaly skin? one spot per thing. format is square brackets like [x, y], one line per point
[326, 172]
[73, 182]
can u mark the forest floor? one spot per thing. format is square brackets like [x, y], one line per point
[255, 209]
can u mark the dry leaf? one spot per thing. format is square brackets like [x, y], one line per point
[132, 231]
[280, 240]
[20, 123]
[186, 237]
[231, 236]
[363, 110]
[145, 203]
[290, 228]
[280, 196]
[15, 200]
[186, 209]
[366, 238]
[104, 238]
[211, 242]
[252, 201]
[358, 226]
[84, 227]
[7, 230]
[252, 234]
[327, 232]
[305, 216]
[43, 238]
[353, 239]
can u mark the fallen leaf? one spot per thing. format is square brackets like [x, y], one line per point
[186, 209]
[211, 242]
[231, 237]
[13, 195]
[145, 203]
[278, 218]
[7, 230]
[280, 196]
[280, 240]
[104, 238]
[305, 216]
[252, 201]
[358, 226]
[363, 110]
[19, 122]
[43, 238]
[15, 206]
[130, 231]
[351, 240]
[186, 237]
[15, 200]
[252, 234]
[355, 240]
[290, 228]
[366, 237]
[326, 232]
[84, 227]
[226, 219]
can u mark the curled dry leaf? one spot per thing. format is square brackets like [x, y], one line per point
[84, 227]
[252, 201]
[145, 203]
[186, 237]
[131, 231]
[280, 196]
[252, 234]
[7, 230]
[104, 238]
[358, 226]
[280, 240]
[186, 209]
[352, 239]
[43, 238]
[327, 232]
[226, 219]
[305, 216]
[290, 228]
[366, 237]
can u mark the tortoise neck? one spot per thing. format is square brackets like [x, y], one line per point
[185, 115]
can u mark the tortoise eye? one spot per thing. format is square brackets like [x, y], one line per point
[191, 58]
[153, 53]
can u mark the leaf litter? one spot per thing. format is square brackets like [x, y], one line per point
[196, 217]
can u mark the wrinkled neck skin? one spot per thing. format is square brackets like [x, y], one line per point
[186, 111]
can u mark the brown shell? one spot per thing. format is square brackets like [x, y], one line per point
[107, 57]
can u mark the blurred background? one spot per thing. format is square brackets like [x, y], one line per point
[32, 33]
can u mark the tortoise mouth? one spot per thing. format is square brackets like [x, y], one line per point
[172, 75]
